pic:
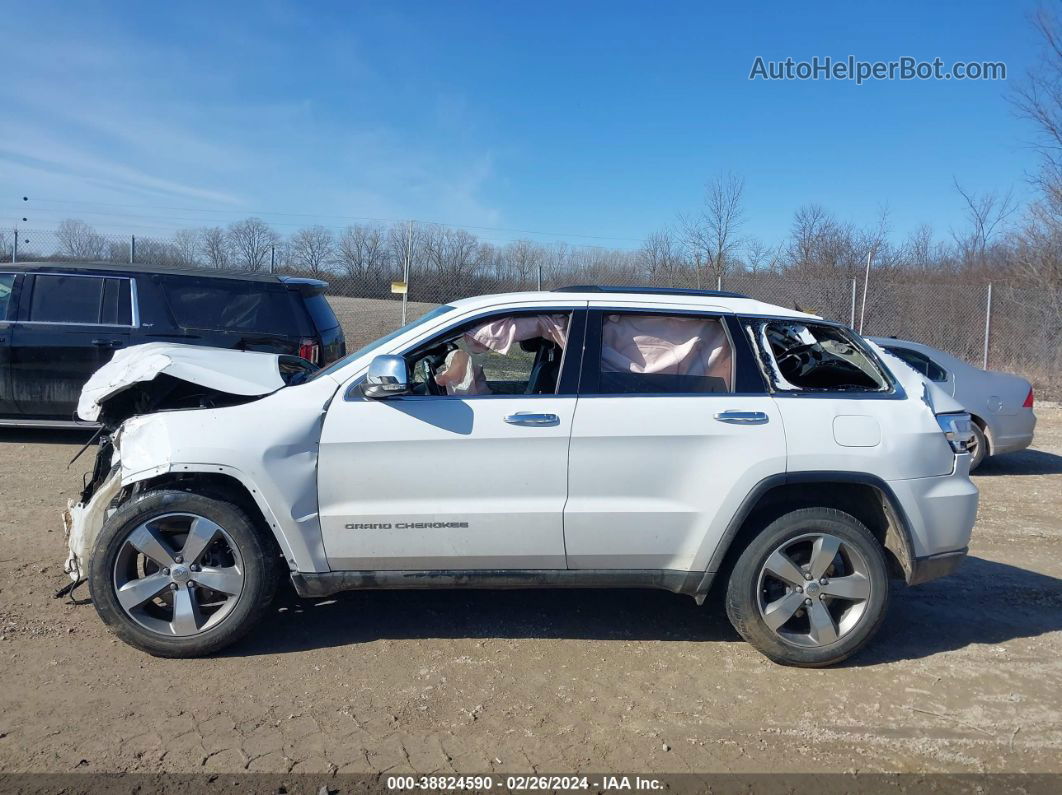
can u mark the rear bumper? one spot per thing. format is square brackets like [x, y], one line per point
[940, 511]
[1010, 434]
[934, 566]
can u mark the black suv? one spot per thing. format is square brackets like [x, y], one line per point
[59, 322]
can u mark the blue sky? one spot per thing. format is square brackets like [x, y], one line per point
[592, 122]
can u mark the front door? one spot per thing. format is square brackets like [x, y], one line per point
[469, 471]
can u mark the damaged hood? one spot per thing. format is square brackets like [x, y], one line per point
[245, 373]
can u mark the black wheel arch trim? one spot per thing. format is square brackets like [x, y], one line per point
[894, 513]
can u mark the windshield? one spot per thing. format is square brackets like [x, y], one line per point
[350, 357]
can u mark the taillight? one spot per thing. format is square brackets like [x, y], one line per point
[958, 430]
[1028, 404]
[310, 351]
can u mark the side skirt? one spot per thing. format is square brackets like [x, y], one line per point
[317, 584]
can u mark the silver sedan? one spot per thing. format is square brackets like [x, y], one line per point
[1000, 404]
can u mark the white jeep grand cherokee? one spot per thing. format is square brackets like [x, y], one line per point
[586, 437]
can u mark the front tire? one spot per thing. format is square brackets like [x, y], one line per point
[178, 574]
[811, 589]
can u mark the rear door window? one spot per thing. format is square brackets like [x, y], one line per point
[60, 298]
[812, 357]
[919, 362]
[7, 282]
[230, 305]
[662, 354]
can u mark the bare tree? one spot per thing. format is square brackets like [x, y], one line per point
[660, 256]
[761, 257]
[362, 250]
[251, 240]
[452, 256]
[215, 247]
[520, 264]
[986, 214]
[79, 240]
[711, 234]
[1039, 100]
[313, 249]
[401, 237]
[186, 247]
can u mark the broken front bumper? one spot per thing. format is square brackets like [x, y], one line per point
[83, 522]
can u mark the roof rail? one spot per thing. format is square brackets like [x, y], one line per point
[613, 288]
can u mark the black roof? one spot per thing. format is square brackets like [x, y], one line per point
[58, 266]
[615, 288]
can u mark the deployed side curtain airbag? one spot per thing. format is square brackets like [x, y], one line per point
[501, 334]
[665, 345]
[460, 375]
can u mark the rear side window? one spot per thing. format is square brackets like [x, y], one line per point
[7, 281]
[321, 312]
[66, 299]
[810, 357]
[219, 304]
[663, 354]
[919, 362]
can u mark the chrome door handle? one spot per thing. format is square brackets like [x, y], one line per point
[530, 418]
[743, 417]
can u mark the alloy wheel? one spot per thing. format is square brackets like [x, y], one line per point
[813, 589]
[178, 574]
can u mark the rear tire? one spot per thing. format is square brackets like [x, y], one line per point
[155, 599]
[811, 589]
[980, 447]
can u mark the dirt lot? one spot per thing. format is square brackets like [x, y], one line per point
[965, 676]
[366, 319]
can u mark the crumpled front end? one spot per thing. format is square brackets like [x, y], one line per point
[83, 521]
[124, 396]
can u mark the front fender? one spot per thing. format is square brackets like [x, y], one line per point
[269, 446]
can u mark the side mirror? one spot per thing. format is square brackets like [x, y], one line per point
[388, 377]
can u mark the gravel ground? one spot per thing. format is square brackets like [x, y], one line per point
[964, 677]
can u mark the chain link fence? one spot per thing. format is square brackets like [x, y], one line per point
[1011, 328]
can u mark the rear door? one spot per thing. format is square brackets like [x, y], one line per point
[69, 324]
[673, 429]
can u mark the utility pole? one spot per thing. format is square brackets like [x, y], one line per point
[272, 258]
[988, 327]
[405, 270]
[14, 244]
[866, 281]
[132, 249]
